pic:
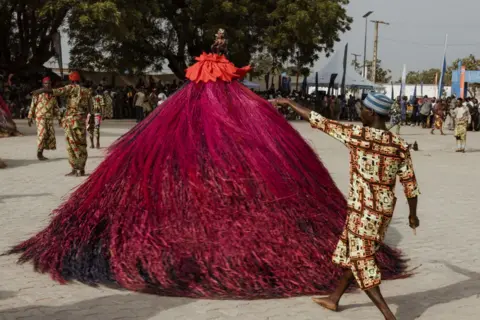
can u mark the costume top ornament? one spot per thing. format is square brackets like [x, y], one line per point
[220, 44]
[215, 66]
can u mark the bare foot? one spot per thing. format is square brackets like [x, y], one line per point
[327, 303]
[2, 164]
[81, 173]
[42, 158]
[71, 174]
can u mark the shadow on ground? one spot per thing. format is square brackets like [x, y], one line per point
[16, 163]
[393, 237]
[13, 196]
[413, 305]
[6, 295]
[129, 306]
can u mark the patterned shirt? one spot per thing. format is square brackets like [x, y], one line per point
[377, 157]
[78, 99]
[43, 106]
[462, 115]
[99, 104]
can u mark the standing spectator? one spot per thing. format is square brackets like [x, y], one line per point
[161, 98]
[138, 102]
[439, 117]
[153, 98]
[425, 111]
[403, 108]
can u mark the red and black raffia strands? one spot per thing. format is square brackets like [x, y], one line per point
[213, 195]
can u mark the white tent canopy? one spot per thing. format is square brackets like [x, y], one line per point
[250, 84]
[352, 78]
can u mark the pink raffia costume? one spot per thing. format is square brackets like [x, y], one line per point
[213, 195]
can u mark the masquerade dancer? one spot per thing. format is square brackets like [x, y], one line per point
[213, 195]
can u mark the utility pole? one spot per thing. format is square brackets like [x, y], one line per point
[375, 48]
[364, 72]
[356, 56]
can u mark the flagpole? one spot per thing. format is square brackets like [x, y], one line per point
[446, 40]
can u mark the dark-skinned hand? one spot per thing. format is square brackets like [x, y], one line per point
[413, 222]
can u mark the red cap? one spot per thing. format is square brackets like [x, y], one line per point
[74, 76]
[46, 79]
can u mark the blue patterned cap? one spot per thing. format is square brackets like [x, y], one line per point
[378, 102]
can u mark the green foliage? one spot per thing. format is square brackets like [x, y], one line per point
[428, 76]
[151, 32]
[383, 75]
[28, 27]
[132, 36]
[425, 76]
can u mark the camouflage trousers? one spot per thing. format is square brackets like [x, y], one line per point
[76, 136]
[93, 126]
[45, 134]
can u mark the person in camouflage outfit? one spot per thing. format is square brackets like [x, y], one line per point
[79, 105]
[43, 110]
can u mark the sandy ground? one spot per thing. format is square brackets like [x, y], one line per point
[446, 286]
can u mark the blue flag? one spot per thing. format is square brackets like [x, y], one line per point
[414, 97]
[442, 77]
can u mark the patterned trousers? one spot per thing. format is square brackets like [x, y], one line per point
[94, 126]
[460, 134]
[76, 136]
[45, 134]
[358, 254]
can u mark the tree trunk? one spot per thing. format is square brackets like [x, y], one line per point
[178, 66]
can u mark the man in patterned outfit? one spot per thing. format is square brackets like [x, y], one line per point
[43, 110]
[79, 104]
[377, 157]
[95, 118]
[462, 119]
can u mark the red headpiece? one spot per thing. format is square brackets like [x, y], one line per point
[74, 76]
[46, 79]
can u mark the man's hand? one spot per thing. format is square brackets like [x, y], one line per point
[283, 102]
[413, 222]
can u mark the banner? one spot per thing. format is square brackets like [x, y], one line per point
[404, 80]
[442, 77]
[444, 69]
[342, 90]
[462, 83]
[57, 45]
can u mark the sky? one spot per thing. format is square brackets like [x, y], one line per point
[415, 36]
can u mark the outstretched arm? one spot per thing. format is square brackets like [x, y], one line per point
[335, 129]
[301, 110]
[40, 91]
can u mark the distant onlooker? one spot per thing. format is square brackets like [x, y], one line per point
[138, 102]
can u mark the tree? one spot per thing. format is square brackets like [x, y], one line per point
[29, 27]
[151, 32]
[383, 75]
[425, 76]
